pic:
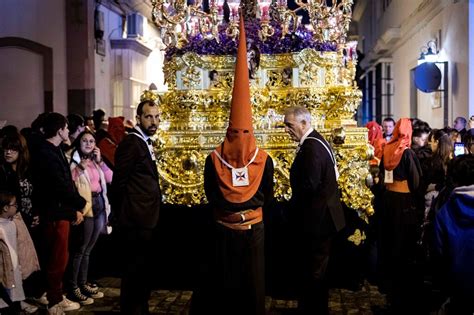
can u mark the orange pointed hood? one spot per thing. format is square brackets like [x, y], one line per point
[376, 139]
[241, 110]
[401, 140]
[239, 145]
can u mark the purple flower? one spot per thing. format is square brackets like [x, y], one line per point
[301, 39]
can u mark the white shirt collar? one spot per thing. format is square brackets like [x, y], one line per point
[144, 136]
[310, 130]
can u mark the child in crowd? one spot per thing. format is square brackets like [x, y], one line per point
[17, 257]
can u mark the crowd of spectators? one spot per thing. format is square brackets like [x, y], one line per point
[53, 208]
[424, 218]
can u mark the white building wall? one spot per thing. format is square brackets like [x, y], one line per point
[104, 64]
[42, 22]
[451, 26]
[155, 60]
[122, 75]
[415, 22]
[21, 96]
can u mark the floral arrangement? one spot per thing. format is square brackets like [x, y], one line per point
[297, 41]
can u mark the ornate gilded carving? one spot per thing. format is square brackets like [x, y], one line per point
[195, 116]
[357, 238]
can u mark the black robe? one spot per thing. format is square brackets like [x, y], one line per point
[400, 224]
[238, 267]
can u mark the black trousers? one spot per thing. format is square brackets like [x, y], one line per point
[314, 290]
[238, 271]
[400, 272]
[137, 266]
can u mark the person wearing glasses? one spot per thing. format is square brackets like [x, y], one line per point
[17, 257]
[15, 176]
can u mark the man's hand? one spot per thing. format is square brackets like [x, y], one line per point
[79, 218]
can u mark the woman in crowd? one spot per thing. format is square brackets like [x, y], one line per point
[469, 142]
[442, 147]
[90, 175]
[453, 134]
[15, 176]
[436, 188]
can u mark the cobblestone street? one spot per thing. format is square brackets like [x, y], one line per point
[342, 302]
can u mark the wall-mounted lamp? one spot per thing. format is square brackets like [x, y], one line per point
[428, 53]
[431, 75]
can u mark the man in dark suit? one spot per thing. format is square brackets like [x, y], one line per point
[316, 212]
[136, 206]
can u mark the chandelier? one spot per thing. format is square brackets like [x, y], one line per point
[181, 20]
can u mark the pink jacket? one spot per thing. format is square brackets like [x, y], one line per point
[26, 255]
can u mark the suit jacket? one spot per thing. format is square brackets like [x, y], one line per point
[316, 207]
[135, 185]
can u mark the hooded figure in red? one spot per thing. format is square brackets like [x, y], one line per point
[109, 143]
[400, 221]
[238, 180]
[376, 139]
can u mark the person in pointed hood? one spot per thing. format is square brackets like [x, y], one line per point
[376, 139]
[238, 181]
[108, 144]
[400, 174]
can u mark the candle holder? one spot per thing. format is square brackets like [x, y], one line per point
[328, 21]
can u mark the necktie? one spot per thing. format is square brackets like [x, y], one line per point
[150, 147]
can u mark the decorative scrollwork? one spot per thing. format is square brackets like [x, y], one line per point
[195, 116]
